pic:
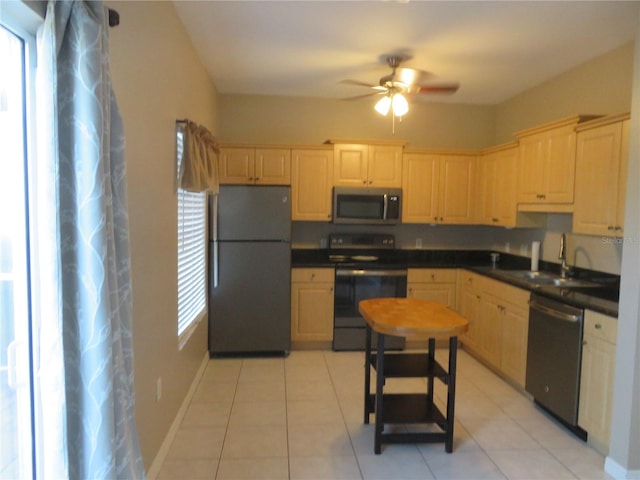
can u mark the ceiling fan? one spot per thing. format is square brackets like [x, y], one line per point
[402, 81]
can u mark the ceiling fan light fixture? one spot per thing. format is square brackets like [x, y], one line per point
[399, 104]
[383, 105]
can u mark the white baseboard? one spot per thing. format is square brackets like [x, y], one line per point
[156, 465]
[618, 472]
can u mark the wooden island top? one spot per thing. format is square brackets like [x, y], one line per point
[409, 316]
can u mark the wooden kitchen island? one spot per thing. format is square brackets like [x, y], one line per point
[418, 318]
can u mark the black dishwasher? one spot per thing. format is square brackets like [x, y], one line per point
[554, 354]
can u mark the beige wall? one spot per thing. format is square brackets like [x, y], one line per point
[157, 79]
[260, 119]
[601, 86]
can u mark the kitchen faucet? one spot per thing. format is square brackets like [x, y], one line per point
[565, 270]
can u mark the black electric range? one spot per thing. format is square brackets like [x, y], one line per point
[366, 266]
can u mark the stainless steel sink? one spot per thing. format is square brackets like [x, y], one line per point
[545, 278]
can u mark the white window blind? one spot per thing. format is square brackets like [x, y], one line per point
[192, 254]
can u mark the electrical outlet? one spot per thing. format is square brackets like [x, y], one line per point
[418, 243]
[158, 389]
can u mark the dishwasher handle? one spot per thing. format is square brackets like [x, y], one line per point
[567, 317]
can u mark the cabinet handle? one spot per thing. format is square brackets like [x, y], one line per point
[364, 182]
[435, 218]
[618, 227]
[313, 275]
[433, 277]
[331, 290]
[611, 227]
[584, 342]
[598, 326]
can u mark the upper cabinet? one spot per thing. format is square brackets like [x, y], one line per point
[311, 179]
[367, 165]
[546, 163]
[497, 186]
[438, 188]
[254, 166]
[601, 175]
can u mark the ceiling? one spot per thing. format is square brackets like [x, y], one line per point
[306, 48]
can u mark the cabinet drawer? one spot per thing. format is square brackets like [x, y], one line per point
[468, 279]
[600, 326]
[431, 275]
[506, 292]
[312, 275]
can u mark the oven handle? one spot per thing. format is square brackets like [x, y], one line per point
[567, 317]
[370, 273]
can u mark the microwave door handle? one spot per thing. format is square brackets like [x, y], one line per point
[385, 206]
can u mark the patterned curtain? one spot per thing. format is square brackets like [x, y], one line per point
[85, 368]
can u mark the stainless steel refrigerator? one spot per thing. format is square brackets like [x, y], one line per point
[250, 270]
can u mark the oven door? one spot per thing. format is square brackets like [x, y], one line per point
[354, 285]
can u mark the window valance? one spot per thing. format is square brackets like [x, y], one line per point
[197, 158]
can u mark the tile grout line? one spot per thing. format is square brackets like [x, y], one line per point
[346, 426]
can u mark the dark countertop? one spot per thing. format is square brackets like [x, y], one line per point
[602, 299]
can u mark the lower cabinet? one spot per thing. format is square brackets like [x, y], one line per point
[435, 284]
[468, 304]
[312, 304]
[498, 317]
[596, 378]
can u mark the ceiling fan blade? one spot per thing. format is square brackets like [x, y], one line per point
[442, 88]
[358, 83]
[357, 97]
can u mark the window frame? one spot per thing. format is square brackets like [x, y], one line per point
[23, 21]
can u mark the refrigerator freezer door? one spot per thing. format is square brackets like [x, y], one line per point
[250, 309]
[254, 213]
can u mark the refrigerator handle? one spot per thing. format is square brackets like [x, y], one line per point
[214, 237]
[216, 265]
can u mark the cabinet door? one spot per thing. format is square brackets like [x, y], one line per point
[504, 205]
[350, 165]
[311, 179]
[490, 329]
[273, 166]
[469, 308]
[531, 169]
[596, 388]
[419, 188]
[622, 178]
[236, 166]
[456, 191]
[384, 166]
[560, 165]
[597, 180]
[515, 332]
[487, 189]
[312, 311]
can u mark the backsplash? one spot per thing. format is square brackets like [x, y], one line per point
[602, 254]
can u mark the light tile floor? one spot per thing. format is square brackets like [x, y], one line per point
[300, 417]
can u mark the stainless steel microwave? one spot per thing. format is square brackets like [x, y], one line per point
[368, 206]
